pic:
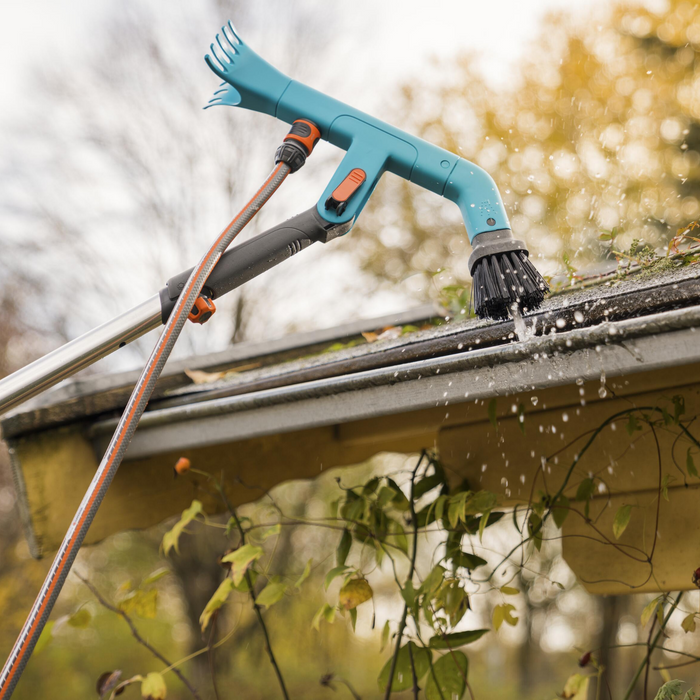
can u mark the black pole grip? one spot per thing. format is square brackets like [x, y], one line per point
[250, 259]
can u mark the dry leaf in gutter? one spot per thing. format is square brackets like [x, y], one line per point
[386, 333]
[198, 376]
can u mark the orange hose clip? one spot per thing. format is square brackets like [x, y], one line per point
[202, 310]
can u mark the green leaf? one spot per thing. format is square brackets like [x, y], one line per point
[153, 687]
[271, 594]
[448, 678]
[403, 678]
[504, 613]
[440, 507]
[678, 406]
[493, 407]
[241, 560]
[274, 530]
[690, 464]
[334, 573]
[386, 631]
[456, 639]
[157, 575]
[325, 612]
[688, 623]
[649, 610]
[668, 420]
[668, 691]
[468, 560]
[483, 522]
[480, 502]
[455, 510]
[576, 687]
[664, 485]
[453, 599]
[385, 496]
[560, 511]
[354, 593]
[408, 593]
[420, 488]
[141, 603]
[622, 519]
[304, 574]
[341, 554]
[80, 619]
[45, 636]
[433, 579]
[398, 536]
[371, 486]
[534, 527]
[243, 586]
[632, 424]
[509, 590]
[585, 490]
[399, 501]
[171, 538]
[215, 602]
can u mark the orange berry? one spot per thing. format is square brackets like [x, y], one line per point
[182, 465]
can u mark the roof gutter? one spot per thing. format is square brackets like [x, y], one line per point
[657, 341]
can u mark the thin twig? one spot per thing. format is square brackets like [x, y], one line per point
[251, 590]
[135, 633]
[414, 553]
[416, 689]
[210, 653]
[649, 650]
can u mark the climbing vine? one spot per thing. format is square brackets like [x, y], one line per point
[426, 528]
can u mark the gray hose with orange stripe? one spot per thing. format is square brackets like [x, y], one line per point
[289, 158]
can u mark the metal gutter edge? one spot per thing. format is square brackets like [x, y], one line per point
[621, 347]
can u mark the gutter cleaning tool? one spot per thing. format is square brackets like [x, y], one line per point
[502, 273]
[504, 278]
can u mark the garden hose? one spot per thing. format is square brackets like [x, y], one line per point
[289, 158]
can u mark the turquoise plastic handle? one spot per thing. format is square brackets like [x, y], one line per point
[371, 144]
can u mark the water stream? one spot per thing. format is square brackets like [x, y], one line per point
[521, 329]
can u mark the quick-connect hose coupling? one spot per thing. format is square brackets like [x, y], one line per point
[298, 144]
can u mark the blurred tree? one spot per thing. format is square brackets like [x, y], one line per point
[601, 130]
[146, 177]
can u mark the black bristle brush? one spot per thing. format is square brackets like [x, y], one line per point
[502, 275]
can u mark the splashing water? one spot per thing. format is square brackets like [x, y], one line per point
[521, 329]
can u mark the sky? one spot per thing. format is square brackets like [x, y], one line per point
[396, 36]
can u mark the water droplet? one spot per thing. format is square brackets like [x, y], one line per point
[534, 400]
[565, 417]
[578, 317]
[560, 323]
